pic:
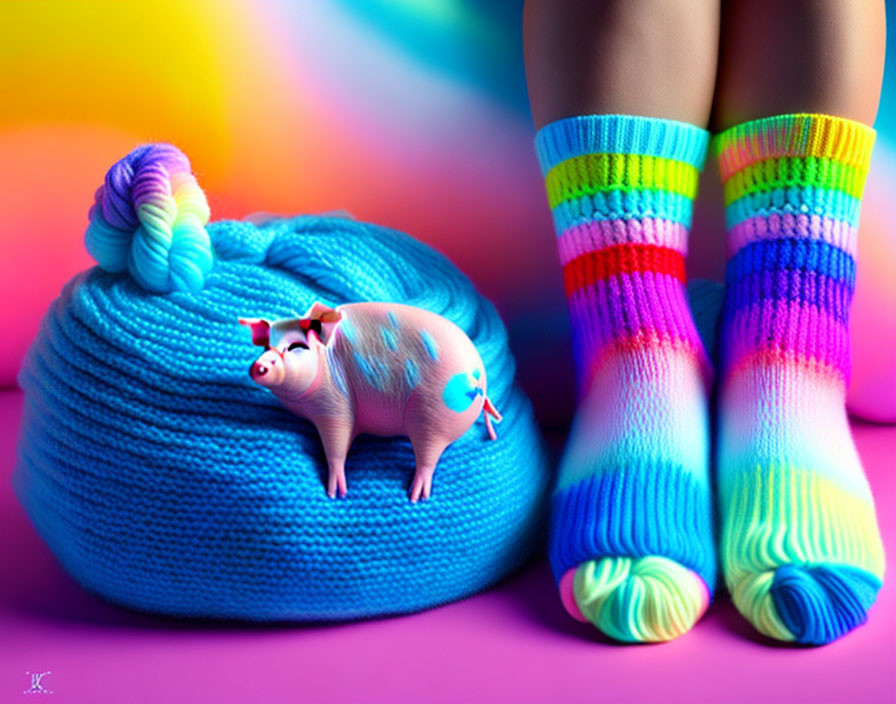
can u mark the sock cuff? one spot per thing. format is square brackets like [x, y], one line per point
[794, 135]
[620, 134]
[644, 509]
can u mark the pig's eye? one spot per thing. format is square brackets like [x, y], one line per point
[297, 346]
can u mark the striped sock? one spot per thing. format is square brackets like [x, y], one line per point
[800, 546]
[631, 542]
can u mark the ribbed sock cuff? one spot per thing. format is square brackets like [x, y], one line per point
[793, 135]
[620, 134]
[654, 509]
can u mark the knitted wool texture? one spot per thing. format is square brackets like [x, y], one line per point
[800, 546]
[631, 541]
[164, 479]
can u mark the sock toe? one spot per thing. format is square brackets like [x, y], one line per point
[646, 599]
[808, 604]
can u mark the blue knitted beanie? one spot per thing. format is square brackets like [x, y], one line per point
[164, 479]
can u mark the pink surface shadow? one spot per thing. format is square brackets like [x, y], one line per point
[514, 642]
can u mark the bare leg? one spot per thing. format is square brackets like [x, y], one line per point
[655, 58]
[819, 56]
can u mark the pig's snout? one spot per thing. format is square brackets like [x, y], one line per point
[267, 369]
[258, 369]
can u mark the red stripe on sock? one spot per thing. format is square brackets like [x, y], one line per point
[603, 263]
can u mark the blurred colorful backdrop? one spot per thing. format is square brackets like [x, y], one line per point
[409, 113]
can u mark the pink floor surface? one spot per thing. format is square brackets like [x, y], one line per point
[512, 643]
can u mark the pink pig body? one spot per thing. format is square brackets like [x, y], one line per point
[378, 368]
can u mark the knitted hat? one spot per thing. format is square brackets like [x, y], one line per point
[164, 479]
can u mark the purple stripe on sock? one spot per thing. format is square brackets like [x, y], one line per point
[812, 288]
[831, 230]
[795, 327]
[628, 304]
[598, 234]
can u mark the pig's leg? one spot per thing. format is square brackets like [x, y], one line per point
[431, 427]
[427, 451]
[336, 436]
[425, 426]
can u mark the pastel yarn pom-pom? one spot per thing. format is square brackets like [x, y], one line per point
[149, 219]
[635, 600]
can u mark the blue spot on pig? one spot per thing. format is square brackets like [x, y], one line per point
[460, 391]
[375, 372]
[347, 330]
[389, 338]
[411, 373]
[429, 343]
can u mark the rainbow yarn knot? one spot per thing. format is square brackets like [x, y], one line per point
[149, 219]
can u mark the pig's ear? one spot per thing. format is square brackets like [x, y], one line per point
[323, 313]
[322, 320]
[261, 330]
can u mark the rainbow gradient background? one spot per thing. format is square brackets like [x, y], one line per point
[409, 113]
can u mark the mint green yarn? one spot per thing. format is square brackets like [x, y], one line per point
[637, 600]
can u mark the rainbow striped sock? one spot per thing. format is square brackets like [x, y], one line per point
[631, 541]
[800, 546]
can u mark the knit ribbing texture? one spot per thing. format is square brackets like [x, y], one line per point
[800, 547]
[164, 479]
[631, 541]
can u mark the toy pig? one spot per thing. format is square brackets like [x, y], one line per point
[378, 368]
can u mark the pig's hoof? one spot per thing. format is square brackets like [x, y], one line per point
[421, 488]
[336, 484]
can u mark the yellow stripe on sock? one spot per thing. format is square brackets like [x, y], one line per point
[779, 516]
[799, 134]
[597, 173]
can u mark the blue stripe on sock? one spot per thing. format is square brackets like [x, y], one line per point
[636, 511]
[797, 200]
[801, 254]
[623, 204]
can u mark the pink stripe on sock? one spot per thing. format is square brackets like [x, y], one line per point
[598, 234]
[784, 363]
[835, 232]
[787, 327]
[633, 348]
